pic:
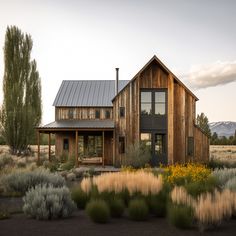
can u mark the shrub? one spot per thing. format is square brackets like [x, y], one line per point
[137, 155]
[223, 175]
[231, 184]
[20, 181]
[69, 164]
[4, 215]
[6, 160]
[79, 197]
[45, 202]
[98, 211]
[180, 216]
[138, 210]
[117, 207]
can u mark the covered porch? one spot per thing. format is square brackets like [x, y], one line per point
[88, 141]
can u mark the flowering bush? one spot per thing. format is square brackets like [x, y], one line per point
[182, 174]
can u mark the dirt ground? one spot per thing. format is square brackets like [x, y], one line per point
[80, 224]
[223, 153]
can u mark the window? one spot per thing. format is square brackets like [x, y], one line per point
[160, 103]
[95, 146]
[66, 144]
[146, 103]
[146, 139]
[97, 114]
[71, 114]
[190, 146]
[121, 145]
[122, 111]
[107, 114]
[159, 144]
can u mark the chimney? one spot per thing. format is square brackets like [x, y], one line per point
[117, 81]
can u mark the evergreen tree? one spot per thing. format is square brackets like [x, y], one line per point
[22, 109]
[203, 123]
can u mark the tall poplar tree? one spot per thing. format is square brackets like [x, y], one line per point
[203, 123]
[21, 109]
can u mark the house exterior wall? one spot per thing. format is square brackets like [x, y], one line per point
[180, 116]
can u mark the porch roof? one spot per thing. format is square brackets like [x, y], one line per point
[78, 124]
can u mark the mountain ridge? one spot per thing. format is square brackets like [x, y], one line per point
[223, 128]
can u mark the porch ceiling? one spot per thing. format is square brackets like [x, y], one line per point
[79, 124]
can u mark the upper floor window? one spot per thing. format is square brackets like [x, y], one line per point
[107, 114]
[97, 114]
[71, 113]
[146, 103]
[122, 112]
[160, 103]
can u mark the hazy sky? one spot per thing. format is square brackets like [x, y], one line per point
[87, 39]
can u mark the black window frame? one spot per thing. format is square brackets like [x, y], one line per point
[122, 112]
[71, 113]
[190, 147]
[97, 114]
[121, 144]
[145, 102]
[66, 144]
[107, 114]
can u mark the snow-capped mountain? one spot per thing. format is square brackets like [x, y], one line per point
[223, 128]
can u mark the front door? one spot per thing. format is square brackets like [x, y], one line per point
[159, 149]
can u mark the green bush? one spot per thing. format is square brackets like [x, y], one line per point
[137, 155]
[45, 202]
[125, 196]
[98, 211]
[196, 188]
[117, 207]
[180, 216]
[69, 164]
[6, 160]
[231, 184]
[138, 210]
[22, 181]
[224, 175]
[79, 197]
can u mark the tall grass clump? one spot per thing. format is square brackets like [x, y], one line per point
[138, 210]
[6, 160]
[224, 175]
[79, 197]
[21, 181]
[98, 211]
[231, 184]
[139, 181]
[45, 202]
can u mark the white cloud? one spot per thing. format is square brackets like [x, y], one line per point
[218, 73]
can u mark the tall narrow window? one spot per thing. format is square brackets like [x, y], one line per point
[97, 114]
[107, 114]
[160, 103]
[159, 143]
[121, 144]
[66, 144]
[190, 146]
[71, 113]
[122, 112]
[146, 103]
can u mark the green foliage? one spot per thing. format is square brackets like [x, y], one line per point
[125, 196]
[5, 160]
[138, 210]
[21, 110]
[98, 211]
[45, 202]
[215, 140]
[20, 182]
[4, 215]
[231, 184]
[224, 175]
[79, 197]
[117, 207]
[180, 216]
[69, 164]
[196, 188]
[203, 123]
[137, 155]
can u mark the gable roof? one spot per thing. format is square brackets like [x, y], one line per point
[155, 58]
[85, 93]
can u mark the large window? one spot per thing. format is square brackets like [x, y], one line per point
[160, 103]
[66, 144]
[146, 139]
[94, 146]
[107, 114]
[159, 144]
[146, 103]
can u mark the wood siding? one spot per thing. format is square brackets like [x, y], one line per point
[82, 113]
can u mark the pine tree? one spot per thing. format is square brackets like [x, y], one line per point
[203, 123]
[21, 109]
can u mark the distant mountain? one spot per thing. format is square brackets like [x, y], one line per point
[223, 128]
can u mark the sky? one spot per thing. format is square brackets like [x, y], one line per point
[83, 40]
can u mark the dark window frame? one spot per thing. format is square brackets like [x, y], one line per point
[107, 114]
[121, 144]
[97, 114]
[190, 147]
[71, 113]
[122, 112]
[66, 144]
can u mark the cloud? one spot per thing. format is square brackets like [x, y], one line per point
[218, 73]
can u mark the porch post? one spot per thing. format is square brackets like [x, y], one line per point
[113, 145]
[76, 148]
[38, 141]
[49, 146]
[103, 150]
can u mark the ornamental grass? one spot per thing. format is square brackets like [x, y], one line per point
[140, 181]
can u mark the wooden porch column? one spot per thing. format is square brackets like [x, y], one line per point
[49, 146]
[103, 149]
[76, 148]
[113, 146]
[38, 141]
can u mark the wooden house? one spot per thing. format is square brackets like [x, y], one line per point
[96, 121]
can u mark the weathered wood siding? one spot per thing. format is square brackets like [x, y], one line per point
[181, 115]
[82, 113]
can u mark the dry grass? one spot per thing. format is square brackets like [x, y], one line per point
[139, 181]
[223, 153]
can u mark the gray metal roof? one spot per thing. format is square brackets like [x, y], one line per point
[92, 124]
[97, 93]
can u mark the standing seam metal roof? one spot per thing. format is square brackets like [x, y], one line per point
[96, 93]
